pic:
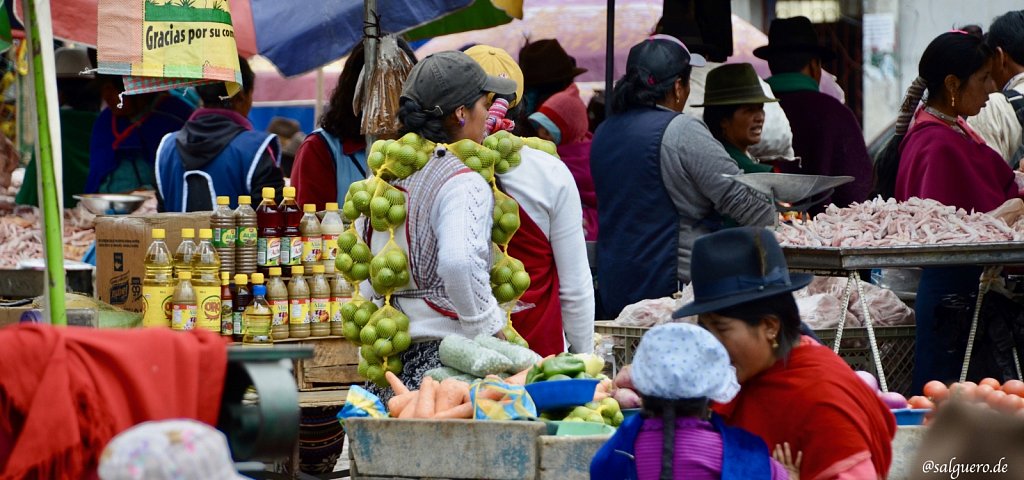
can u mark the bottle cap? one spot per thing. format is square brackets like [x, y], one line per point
[268, 192]
[331, 207]
[309, 208]
[318, 269]
[159, 234]
[298, 270]
[241, 279]
[259, 290]
[225, 278]
[223, 200]
[205, 233]
[244, 200]
[185, 275]
[288, 192]
[275, 271]
[188, 233]
[257, 278]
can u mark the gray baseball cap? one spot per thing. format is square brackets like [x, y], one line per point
[445, 81]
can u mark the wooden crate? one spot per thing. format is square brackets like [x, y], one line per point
[333, 366]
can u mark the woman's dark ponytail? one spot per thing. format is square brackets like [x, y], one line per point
[427, 124]
[668, 442]
[635, 89]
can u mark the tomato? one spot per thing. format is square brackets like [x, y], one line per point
[990, 382]
[963, 391]
[937, 391]
[1010, 404]
[1014, 387]
[921, 402]
[995, 399]
[981, 393]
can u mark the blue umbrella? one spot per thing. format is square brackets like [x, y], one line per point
[298, 40]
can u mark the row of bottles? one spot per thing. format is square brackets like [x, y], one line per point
[234, 235]
[305, 306]
[288, 236]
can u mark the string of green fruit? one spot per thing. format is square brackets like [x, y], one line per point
[383, 333]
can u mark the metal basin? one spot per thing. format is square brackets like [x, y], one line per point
[110, 203]
[790, 187]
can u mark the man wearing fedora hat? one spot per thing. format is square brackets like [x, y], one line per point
[547, 70]
[826, 135]
[734, 112]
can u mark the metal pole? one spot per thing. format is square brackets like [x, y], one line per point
[45, 90]
[371, 32]
[609, 58]
[318, 108]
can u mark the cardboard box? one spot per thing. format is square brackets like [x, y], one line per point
[121, 243]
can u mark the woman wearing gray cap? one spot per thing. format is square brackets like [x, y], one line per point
[447, 230]
[660, 179]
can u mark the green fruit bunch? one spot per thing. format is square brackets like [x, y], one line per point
[389, 270]
[543, 145]
[355, 315]
[476, 157]
[383, 339]
[506, 218]
[358, 197]
[508, 279]
[508, 146]
[606, 411]
[512, 336]
[387, 208]
[354, 256]
[397, 159]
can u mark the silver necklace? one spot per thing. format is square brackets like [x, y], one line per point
[946, 118]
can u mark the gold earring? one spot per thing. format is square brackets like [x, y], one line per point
[775, 344]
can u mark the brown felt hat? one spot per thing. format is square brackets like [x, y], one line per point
[545, 61]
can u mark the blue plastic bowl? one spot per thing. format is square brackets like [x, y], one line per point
[629, 412]
[910, 416]
[559, 394]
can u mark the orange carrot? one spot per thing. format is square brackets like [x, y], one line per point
[410, 408]
[396, 383]
[425, 404]
[398, 403]
[598, 396]
[464, 410]
[519, 378]
[491, 394]
[449, 394]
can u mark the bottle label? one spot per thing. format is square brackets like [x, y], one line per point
[319, 310]
[208, 310]
[330, 247]
[246, 237]
[336, 303]
[299, 311]
[291, 251]
[236, 323]
[312, 248]
[183, 317]
[226, 321]
[268, 251]
[156, 305]
[280, 309]
[223, 237]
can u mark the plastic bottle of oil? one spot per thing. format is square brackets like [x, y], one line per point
[341, 293]
[158, 284]
[277, 297]
[258, 318]
[183, 304]
[330, 227]
[243, 297]
[223, 223]
[226, 312]
[186, 250]
[312, 238]
[268, 243]
[206, 281]
[298, 305]
[319, 303]
[291, 236]
[245, 236]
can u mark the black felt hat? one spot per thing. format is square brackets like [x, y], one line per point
[793, 35]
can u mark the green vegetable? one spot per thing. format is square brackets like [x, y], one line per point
[557, 377]
[536, 374]
[594, 364]
[568, 365]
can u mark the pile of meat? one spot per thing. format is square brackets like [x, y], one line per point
[820, 305]
[888, 223]
[21, 237]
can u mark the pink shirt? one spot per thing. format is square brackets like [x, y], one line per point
[698, 451]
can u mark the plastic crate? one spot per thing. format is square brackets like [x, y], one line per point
[895, 346]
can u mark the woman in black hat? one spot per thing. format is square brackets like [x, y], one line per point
[734, 112]
[447, 231]
[660, 179]
[793, 389]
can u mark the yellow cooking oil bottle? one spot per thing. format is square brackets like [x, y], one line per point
[206, 281]
[158, 284]
[183, 304]
[298, 303]
[185, 251]
[277, 297]
[319, 303]
[258, 317]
